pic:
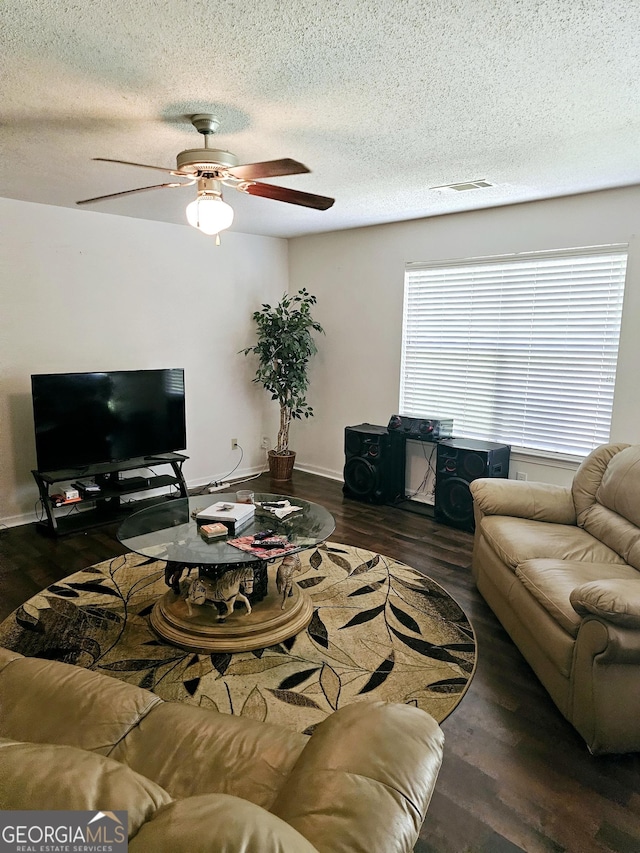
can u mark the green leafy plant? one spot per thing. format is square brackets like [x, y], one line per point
[285, 346]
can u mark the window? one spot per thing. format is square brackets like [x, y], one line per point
[520, 349]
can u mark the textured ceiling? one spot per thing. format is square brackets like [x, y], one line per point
[382, 100]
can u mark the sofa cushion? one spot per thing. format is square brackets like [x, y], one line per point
[552, 582]
[49, 776]
[588, 477]
[209, 752]
[606, 492]
[616, 532]
[518, 539]
[220, 823]
[68, 705]
[616, 600]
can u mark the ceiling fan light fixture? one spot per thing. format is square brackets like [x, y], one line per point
[213, 168]
[209, 213]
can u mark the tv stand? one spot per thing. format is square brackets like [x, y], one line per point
[107, 505]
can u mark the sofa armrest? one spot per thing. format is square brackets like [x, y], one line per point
[536, 501]
[604, 686]
[364, 781]
[615, 600]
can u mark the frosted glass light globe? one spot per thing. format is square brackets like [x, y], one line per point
[210, 214]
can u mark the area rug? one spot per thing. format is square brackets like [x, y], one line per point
[380, 630]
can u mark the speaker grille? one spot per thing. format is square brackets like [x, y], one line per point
[455, 502]
[352, 443]
[474, 465]
[360, 477]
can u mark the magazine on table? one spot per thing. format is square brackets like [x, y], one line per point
[265, 549]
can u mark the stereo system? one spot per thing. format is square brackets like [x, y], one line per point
[374, 464]
[459, 462]
[421, 429]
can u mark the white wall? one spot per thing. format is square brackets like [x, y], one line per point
[358, 277]
[90, 291]
[86, 291]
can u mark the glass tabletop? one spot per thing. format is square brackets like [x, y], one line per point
[169, 531]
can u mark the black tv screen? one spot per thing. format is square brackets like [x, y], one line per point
[84, 419]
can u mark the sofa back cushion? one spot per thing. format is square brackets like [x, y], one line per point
[210, 752]
[66, 704]
[589, 476]
[606, 492]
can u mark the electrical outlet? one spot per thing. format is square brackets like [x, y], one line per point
[234, 443]
[266, 443]
[521, 475]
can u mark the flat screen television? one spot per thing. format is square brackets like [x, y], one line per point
[84, 419]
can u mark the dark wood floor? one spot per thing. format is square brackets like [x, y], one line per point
[515, 776]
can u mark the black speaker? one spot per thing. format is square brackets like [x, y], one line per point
[374, 464]
[459, 462]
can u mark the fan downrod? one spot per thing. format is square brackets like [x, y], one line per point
[205, 160]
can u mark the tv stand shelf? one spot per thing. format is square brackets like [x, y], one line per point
[110, 504]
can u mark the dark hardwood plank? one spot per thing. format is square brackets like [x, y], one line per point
[515, 775]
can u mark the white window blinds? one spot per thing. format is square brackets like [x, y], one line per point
[519, 349]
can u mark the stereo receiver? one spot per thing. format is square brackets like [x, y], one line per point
[421, 429]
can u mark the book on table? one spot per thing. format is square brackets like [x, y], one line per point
[222, 529]
[240, 525]
[233, 515]
[216, 530]
[226, 512]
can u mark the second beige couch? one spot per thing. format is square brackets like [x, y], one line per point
[560, 568]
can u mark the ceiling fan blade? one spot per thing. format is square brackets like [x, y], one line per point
[144, 166]
[268, 169]
[129, 192]
[319, 202]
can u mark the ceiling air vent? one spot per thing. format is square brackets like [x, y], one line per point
[464, 186]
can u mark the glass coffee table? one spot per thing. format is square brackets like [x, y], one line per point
[207, 578]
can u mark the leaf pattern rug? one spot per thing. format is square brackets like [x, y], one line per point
[380, 630]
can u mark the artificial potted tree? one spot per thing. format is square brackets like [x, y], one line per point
[285, 346]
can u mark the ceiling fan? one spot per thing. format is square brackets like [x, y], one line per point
[212, 169]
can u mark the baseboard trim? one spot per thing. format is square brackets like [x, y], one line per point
[18, 520]
[321, 472]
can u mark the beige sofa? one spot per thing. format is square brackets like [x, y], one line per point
[560, 568]
[195, 780]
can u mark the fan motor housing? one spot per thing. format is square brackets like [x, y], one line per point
[205, 160]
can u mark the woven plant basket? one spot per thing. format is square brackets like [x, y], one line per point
[281, 467]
